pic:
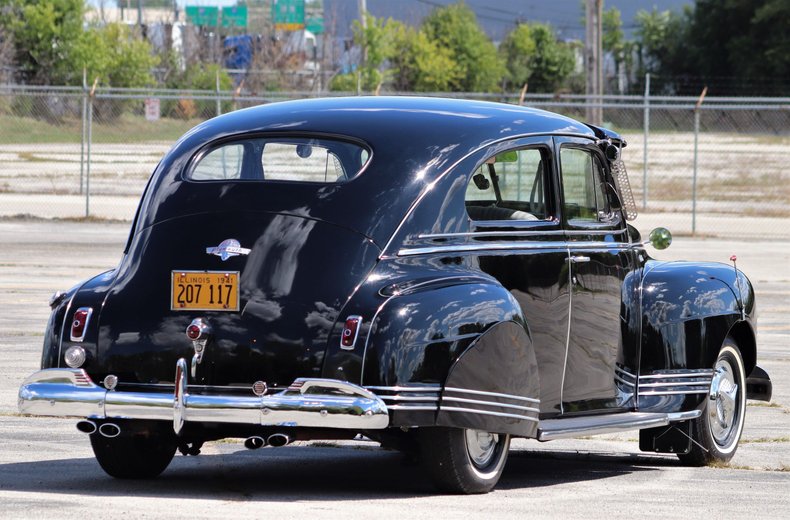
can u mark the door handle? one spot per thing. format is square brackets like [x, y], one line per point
[579, 259]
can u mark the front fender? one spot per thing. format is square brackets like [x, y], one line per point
[688, 309]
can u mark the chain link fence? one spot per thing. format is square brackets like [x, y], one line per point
[715, 168]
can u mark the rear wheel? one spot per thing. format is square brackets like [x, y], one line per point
[134, 455]
[464, 461]
[715, 434]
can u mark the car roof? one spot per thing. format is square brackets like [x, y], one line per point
[413, 140]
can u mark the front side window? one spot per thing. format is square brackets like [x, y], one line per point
[281, 159]
[510, 186]
[582, 185]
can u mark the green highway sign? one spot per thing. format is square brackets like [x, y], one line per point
[315, 25]
[234, 16]
[202, 15]
[288, 15]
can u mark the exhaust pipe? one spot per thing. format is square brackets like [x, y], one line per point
[279, 439]
[88, 427]
[255, 442]
[110, 430]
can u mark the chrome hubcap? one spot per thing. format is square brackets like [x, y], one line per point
[481, 447]
[723, 406]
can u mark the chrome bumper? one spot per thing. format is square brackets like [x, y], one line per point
[319, 403]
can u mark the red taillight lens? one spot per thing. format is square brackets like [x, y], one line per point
[80, 322]
[350, 332]
[193, 332]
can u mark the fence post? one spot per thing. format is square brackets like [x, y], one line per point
[219, 105]
[694, 176]
[646, 132]
[90, 138]
[84, 126]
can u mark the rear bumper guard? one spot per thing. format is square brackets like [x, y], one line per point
[319, 403]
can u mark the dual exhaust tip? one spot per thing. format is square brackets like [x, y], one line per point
[274, 440]
[109, 430]
[112, 430]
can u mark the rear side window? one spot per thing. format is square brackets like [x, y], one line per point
[299, 159]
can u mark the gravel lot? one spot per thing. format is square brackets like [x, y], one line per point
[47, 469]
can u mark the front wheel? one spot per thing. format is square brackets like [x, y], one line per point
[463, 460]
[134, 455]
[715, 434]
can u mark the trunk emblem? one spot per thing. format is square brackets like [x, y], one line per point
[228, 248]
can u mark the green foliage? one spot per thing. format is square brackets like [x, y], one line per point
[534, 56]
[52, 47]
[421, 65]
[455, 28]
[45, 33]
[518, 51]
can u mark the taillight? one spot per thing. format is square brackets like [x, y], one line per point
[79, 323]
[350, 332]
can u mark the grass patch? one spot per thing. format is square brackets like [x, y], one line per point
[125, 129]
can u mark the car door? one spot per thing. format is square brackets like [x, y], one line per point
[601, 356]
[512, 202]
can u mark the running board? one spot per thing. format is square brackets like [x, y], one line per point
[551, 429]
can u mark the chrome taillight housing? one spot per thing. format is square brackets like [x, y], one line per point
[350, 332]
[79, 323]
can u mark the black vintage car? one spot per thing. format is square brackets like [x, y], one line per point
[436, 275]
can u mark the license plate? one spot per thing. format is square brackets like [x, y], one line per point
[204, 290]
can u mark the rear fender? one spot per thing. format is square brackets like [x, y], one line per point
[417, 336]
[57, 337]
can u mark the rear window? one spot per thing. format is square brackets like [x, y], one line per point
[281, 159]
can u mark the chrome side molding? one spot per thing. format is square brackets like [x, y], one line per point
[551, 429]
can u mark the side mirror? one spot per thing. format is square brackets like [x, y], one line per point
[660, 237]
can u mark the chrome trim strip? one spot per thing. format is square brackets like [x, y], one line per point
[678, 392]
[672, 375]
[510, 246]
[493, 394]
[568, 331]
[435, 388]
[620, 379]
[684, 416]
[595, 425]
[408, 398]
[523, 233]
[402, 407]
[685, 383]
[491, 403]
[70, 393]
[623, 371]
[484, 412]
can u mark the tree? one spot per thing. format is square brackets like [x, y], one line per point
[553, 62]
[534, 56]
[518, 51]
[455, 28]
[420, 65]
[375, 40]
[44, 34]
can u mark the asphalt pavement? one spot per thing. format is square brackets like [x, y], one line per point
[47, 469]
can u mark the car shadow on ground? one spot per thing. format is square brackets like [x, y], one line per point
[305, 473]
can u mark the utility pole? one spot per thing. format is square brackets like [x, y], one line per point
[593, 60]
[363, 19]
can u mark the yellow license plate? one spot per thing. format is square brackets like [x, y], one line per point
[204, 290]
